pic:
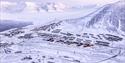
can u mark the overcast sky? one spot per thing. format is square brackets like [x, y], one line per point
[72, 2]
[82, 1]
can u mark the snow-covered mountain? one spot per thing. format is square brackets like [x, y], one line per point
[111, 17]
[47, 44]
[78, 40]
[9, 24]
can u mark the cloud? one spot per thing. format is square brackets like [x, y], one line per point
[100, 2]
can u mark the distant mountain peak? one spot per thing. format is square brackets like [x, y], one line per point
[111, 17]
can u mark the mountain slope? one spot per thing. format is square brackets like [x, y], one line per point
[109, 18]
[63, 41]
[48, 44]
[112, 17]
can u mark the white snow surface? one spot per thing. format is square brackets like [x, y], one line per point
[39, 43]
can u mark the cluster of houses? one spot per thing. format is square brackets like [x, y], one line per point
[56, 35]
[85, 39]
[52, 34]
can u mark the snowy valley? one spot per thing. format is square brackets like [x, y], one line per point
[94, 37]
